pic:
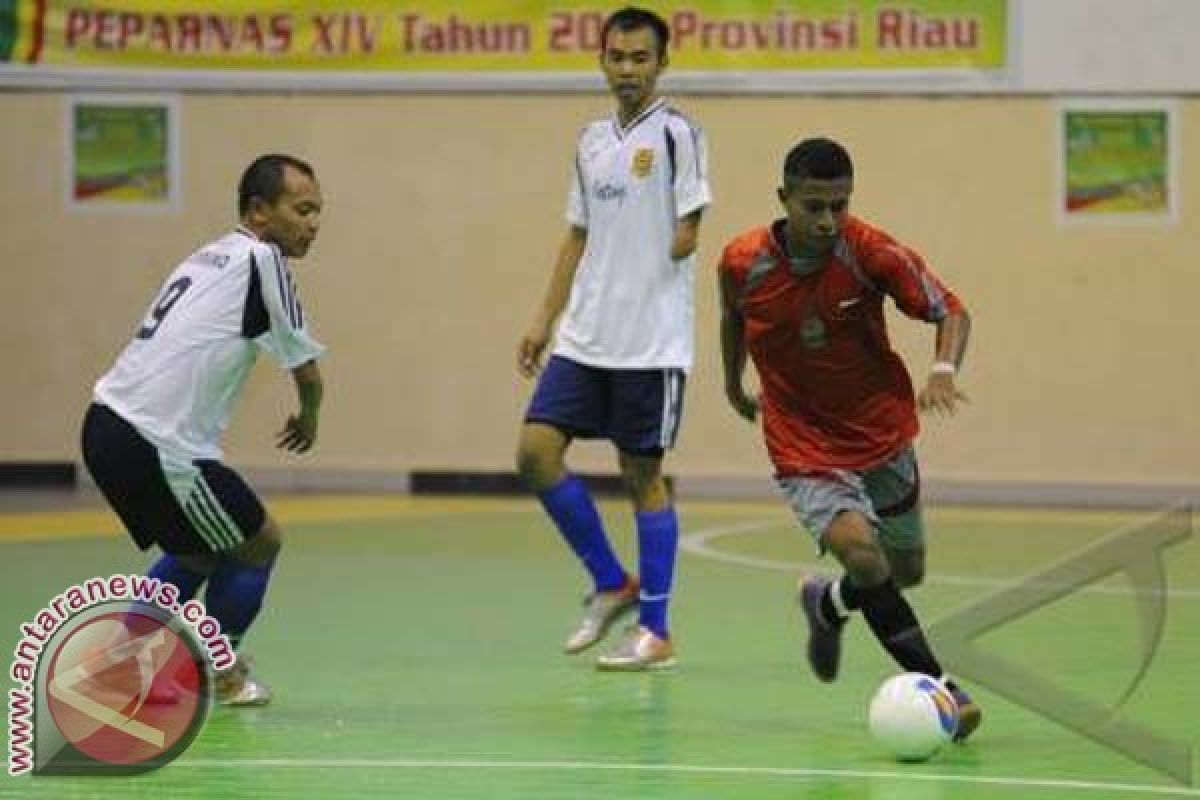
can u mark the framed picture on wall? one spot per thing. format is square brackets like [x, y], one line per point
[123, 152]
[1118, 160]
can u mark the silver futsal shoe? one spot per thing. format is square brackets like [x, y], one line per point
[600, 611]
[640, 651]
[238, 686]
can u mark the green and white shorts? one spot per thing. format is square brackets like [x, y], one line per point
[888, 495]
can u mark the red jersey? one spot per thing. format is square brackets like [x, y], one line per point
[835, 395]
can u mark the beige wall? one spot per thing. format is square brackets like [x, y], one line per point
[443, 215]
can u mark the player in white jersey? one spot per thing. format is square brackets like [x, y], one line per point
[151, 438]
[624, 343]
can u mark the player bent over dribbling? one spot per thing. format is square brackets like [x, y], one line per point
[804, 297]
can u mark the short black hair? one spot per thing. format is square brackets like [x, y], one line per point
[820, 158]
[631, 19]
[264, 178]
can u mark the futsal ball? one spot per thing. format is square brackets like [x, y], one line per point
[912, 716]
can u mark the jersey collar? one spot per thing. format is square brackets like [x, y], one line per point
[623, 132]
[799, 266]
[244, 231]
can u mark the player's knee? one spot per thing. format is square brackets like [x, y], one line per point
[534, 468]
[852, 541]
[908, 576]
[866, 566]
[644, 482]
[262, 548]
[538, 463]
[199, 563]
[527, 462]
[908, 567]
[648, 494]
[637, 483]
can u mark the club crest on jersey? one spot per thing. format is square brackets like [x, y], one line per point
[812, 333]
[643, 162]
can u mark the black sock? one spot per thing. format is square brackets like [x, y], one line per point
[895, 625]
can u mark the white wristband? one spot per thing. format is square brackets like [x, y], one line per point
[944, 368]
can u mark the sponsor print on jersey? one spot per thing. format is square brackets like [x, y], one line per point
[607, 191]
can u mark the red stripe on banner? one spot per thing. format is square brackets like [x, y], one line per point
[39, 32]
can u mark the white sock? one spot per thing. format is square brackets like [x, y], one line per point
[839, 605]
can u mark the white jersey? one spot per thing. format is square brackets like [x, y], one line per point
[631, 304]
[178, 380]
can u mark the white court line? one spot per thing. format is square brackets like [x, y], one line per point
[697, 543]
[782, 772]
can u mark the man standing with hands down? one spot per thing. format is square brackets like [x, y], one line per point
[624, 276]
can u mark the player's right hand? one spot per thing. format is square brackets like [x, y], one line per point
[529, 351]
[941, 396]
[299, 433]
[747, 406]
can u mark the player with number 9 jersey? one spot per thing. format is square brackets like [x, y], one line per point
[179, 377]
[152, 436]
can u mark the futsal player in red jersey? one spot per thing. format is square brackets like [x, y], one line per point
[804, 298]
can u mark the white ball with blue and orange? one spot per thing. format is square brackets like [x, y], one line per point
[912, 716]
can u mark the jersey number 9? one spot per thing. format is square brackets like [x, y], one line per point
[162, 307]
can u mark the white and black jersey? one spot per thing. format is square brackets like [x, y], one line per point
[631, 304]
[178, 379]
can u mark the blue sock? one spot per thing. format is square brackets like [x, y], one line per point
[235, 595]
[168, 570]
[658, 536]
[570, 506]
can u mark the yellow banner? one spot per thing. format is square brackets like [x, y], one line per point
[511, 36]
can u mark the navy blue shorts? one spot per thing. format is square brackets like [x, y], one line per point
[637, 409]
[218, 512]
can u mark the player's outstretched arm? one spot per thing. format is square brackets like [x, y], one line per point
[299, 432]
[533, 343]
[940, 393]
[733, 351]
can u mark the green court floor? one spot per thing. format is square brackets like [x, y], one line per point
[414, 648]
